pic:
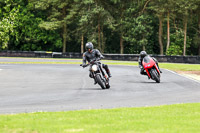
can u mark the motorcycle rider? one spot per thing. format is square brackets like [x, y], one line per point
[142, 55]
[92, 55]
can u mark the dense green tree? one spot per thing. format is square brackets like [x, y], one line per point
[177, 39]
[8, 23]
[159, 9]
[92, 18]
[196, 27]
[170, 10]
[138, 29]
[22, 31]
[184, 9]
[118, 12]
[59, 16]
[114, 26]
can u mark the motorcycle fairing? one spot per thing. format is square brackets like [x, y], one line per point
[148, 63]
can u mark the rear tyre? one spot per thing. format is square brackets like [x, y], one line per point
[155, 75]
[100, 81]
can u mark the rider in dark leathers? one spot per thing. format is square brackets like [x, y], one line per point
[92, 55]
[142, 55]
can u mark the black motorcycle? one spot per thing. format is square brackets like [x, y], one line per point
[98, 74]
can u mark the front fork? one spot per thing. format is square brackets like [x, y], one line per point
[93, 75]
[148, 74]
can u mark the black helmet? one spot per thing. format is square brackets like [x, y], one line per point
[143, 53]
[88, 45]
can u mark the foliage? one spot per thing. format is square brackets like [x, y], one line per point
[112, 25]
[139, 33]
[8, 23]
[176, 47]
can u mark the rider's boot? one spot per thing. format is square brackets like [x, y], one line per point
[95, 82]
[107, 70]
[109, 74]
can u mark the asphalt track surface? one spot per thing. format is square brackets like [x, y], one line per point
[62, 87]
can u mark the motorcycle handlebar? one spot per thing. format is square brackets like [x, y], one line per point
[91, 62]
[94, 61]
[84, 65]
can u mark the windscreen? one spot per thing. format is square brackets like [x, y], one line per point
[146, 59]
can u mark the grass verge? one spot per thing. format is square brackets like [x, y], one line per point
[182, 118]
[180, 67]
[170, 66]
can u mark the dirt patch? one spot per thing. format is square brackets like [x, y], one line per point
[191, 74]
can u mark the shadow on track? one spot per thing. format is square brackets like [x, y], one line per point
[92, 89]
[146, 82]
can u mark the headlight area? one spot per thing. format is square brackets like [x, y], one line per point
[94, 68]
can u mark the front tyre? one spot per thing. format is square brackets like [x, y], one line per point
[155, 75]
[100, 81]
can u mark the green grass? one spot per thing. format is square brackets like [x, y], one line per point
[180, 67]
[170, 66]
[178, 118]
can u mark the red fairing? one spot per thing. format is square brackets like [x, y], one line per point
[148, 66]
[148, 73]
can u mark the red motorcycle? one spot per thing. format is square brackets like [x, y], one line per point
[151, 68]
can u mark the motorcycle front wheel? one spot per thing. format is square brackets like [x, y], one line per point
[155, 75]
[100, 81]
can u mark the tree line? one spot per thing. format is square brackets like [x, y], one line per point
[165, 27]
